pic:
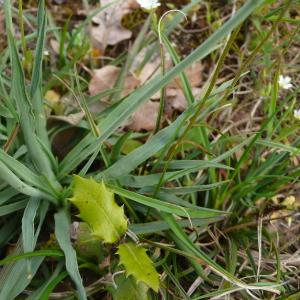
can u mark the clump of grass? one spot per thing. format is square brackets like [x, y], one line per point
[219, 219]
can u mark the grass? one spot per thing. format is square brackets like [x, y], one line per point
[219, 218]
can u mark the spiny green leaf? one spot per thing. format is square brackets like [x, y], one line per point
[98, 208]
[137, 263]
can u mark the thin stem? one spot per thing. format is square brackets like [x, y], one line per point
[163, 91]
[236, 79]
[193, 120]
[22, 30]
[11, 138]
[163, 69]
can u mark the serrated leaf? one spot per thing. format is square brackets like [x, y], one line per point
[137, 263]
[98, 208]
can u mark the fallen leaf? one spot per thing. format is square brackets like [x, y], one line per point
[151, 68]
[63, 141]
[2, 28]
[145, 117]
[193, 74]
[55, 46]
[72, 119]
[103, 79]
[109, 30]
[106, 77]
[170, 92]
[176, 100]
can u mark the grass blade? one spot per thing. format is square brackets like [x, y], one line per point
[62, 228]
[167, 207]
[37, 75]
[130, 104]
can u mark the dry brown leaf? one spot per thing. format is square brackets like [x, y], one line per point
[106, 77]
[55, 46]
[169, 93]
[151, 68]
[2, 28]
[103, 79]
[194, 75]
[176, 100]
[72, 119]
[145, 117]
[109, 30]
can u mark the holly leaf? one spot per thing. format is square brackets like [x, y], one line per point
[138, 264]
[99, 210]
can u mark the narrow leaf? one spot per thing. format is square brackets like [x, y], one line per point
[198, 212]
[62, 228]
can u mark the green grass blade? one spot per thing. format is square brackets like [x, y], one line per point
[37, 77]
[131, 103]
[12, 279]
[28, 224]
[28, 237]
[8, 176]
[190, 247]
[192, 189]
[157, 226]
[38, 253]
[62, 229]
[24, 107]
[23, 172]
[198, 212]
[41, 291]
[13, 207]
[7, 194]
[16, 281]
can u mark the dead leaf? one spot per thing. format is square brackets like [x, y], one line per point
[72, 119]
[55, 46]
[145, 117]
[63, 141]
[169, 93]
[194, 75]
[151, 68]
[176, 100]
[106, 77]
[2, 28]
[109, 30]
